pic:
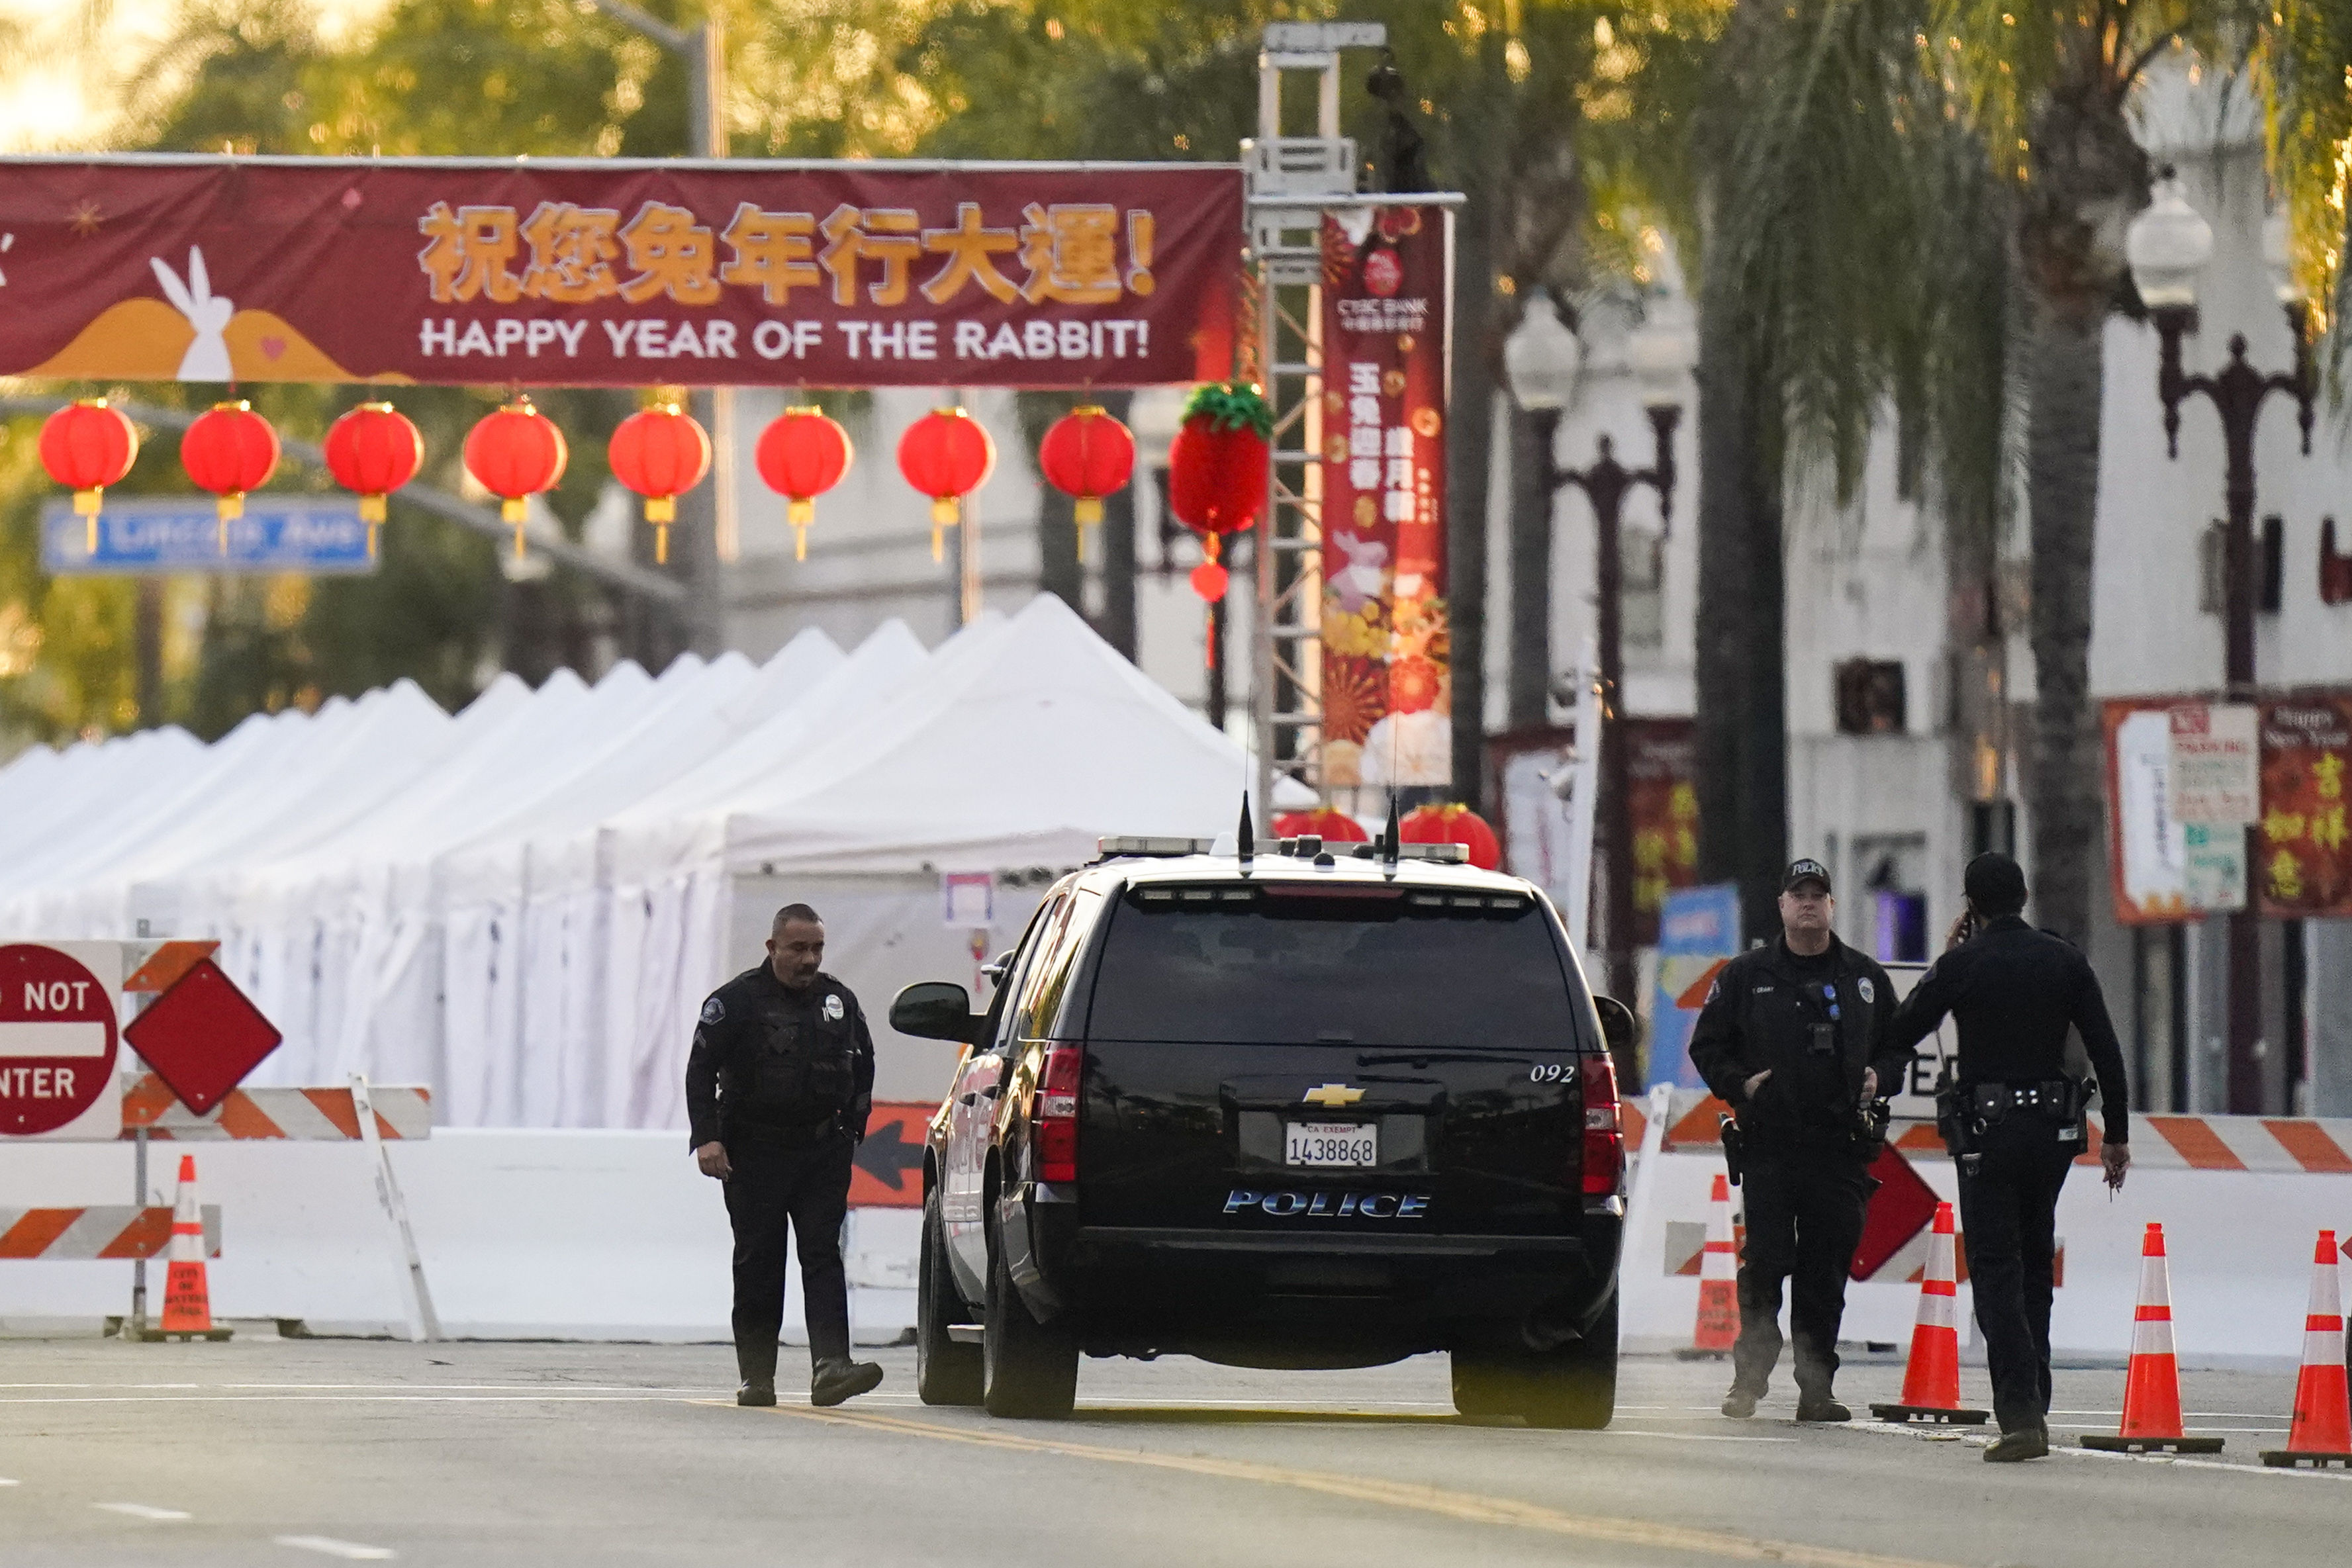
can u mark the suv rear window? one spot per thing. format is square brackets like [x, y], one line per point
[1350, 965]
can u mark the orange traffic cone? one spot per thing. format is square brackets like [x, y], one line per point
[187, 1302]
[2322, 1432]
[2152, 1387]
[1931, 1379]
[1718, 1282]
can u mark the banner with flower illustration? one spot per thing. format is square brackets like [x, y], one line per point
[1387, 681]
[610, 272]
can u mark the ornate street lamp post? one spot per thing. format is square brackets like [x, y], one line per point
[2168, 246]
[1541, 359]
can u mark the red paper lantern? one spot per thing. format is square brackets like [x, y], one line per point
[86, 446]
[1453, 824]
[660, 452]
[947, 455]
[1217, 471]
[516, 454]
[1086, 455]
[229, 450]
[372, 451]
[803, 453]
[1209, 580]
[1329, 823]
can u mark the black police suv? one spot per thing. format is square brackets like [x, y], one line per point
[1323, 1107]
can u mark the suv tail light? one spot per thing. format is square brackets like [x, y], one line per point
[1057, 1113]
[1604, 1129]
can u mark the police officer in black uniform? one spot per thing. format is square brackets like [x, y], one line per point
[1793, 1037]
[2014, 1120]
[778, 1088]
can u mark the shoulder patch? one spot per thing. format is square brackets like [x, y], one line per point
[714, 1011]
[833, 1011]
[1869, 992]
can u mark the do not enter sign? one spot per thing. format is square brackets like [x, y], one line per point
[58, 1040]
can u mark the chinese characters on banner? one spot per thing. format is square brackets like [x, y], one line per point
[612, 273]
[1387, 690]
[1662, 797]
[2303, 850]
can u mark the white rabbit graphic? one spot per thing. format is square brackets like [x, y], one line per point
[207, 358]
[1361, 578]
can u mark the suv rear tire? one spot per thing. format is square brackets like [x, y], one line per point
[1573, 1387]
[946, 1371]
[1031, 1368]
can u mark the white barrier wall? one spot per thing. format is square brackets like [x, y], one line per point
[2239, 1244]
[524, 1234]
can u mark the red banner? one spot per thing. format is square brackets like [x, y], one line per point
[2303, 850]
[611, 274]
[1662, 792]
[1387, 686]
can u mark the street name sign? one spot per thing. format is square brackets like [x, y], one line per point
[319, 534]
[58, 1041]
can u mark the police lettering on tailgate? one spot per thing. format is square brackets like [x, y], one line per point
[1333, 1205]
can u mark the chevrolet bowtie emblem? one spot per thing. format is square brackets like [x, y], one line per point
[1333, 1094]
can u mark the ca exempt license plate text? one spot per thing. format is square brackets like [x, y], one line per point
[1330, 1145]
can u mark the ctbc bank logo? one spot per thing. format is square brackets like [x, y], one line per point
[58, 1039]
[1332, 1205]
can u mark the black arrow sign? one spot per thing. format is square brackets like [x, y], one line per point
[886, 1156]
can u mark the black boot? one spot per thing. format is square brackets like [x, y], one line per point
[1822, 1408]
[1740, 1404]
[2025, 1443]
[758, 1373]
[839, 1378]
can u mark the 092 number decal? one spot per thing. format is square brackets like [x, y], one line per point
[1552, 1073]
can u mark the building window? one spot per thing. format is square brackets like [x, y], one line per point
[1870, 697]
[2270, 566]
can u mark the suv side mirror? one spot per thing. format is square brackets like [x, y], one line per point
[1618, 1028]
[935, 1009]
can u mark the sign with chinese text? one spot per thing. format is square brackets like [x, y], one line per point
[1663, 795]
[277, 533]
[2303, 852]
[2216, 769]
[605, 273]
[1387, 687]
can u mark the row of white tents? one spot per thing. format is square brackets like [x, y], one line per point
[524, 904]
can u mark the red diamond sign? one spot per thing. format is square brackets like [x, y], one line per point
[1899, 1209]
[202, 1037]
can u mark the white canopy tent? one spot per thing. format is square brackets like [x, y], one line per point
[524, 905]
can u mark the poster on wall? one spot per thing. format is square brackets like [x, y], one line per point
[2302, 858]
[1387, 685]
[606, 272]
[1698, 932]
[2149, 862]
[2216, 764]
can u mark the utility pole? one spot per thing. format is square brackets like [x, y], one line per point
[710, 530]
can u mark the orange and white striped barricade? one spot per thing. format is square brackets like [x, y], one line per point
[2151, 1419]
[97, 1232]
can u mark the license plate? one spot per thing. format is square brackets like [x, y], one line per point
[1342, 1145]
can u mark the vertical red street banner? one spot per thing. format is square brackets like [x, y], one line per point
[1663, 795]
[1386, 684]
[2303, 859]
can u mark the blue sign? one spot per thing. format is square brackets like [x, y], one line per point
[1699, 931]
[278, 533]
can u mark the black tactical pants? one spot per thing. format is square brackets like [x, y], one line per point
[2008, 1212]
[782, 1186]
[1804, 1221]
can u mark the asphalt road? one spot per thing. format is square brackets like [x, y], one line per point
[263, 1451]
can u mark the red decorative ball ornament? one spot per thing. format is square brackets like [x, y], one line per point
[947, 455]
[1209, 580]
[1329, 823]
[86, 446]
[516, 454]
[1217, 471]
[372, 451]
[1453, 824]
[1086, 455]
[660, 452]
[229, 451]
[801, 455]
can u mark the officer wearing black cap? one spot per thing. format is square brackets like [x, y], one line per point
[778, 1088]
[2014, 1121]
[1793, 1037]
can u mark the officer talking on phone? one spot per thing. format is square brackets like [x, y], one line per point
[2014, 1121]
[1794, 1039]
[778, 1088]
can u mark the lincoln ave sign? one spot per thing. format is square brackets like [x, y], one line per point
[614, 273]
